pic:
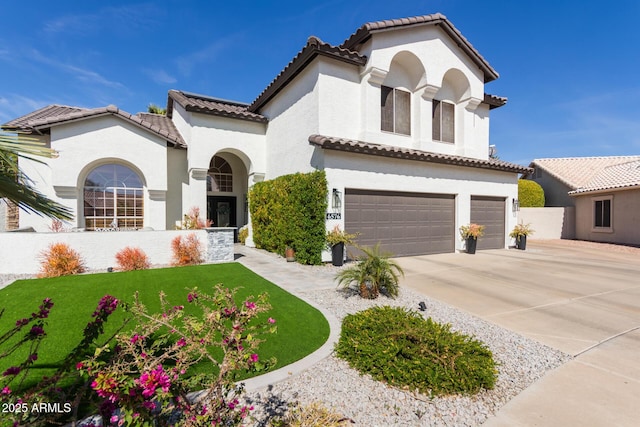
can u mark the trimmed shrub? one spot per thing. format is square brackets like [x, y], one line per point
[60, 260]
[132, 259]
[290, 211]
[187, 251]
[530, 194]
[405, 350]
[243, 234]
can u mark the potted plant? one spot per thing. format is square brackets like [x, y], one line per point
[336, 240]
[520, 233]
[471, 233]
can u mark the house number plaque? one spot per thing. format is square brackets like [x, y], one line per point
[334, 215]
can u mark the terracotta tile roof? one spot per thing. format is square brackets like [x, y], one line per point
[354, 146]
[578, 172]
[614, 177]
[43, 113]
[494, 101]
[314, 47]
[365, 32]
[53, 115]
[214, 106]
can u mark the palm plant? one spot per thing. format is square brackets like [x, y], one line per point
[373, 273]
[16, 186]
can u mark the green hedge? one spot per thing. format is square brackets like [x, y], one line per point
[290, 211]
[530, 194]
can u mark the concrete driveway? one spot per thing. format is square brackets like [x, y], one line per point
[583, 299]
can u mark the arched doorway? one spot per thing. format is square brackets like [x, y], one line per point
[227, 191]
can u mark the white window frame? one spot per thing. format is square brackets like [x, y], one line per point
[395, 129]
[601, 229]
[439, 137]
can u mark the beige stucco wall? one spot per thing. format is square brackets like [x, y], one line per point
[625, 222]
[550, 223]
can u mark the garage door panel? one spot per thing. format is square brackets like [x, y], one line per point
[404, 223]
[490, 212]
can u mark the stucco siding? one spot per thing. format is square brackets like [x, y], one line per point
[293, 116]
[625, 218]
[346, 170]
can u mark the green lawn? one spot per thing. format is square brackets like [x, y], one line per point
[301, 328]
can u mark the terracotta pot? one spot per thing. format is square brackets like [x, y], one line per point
[289, 254]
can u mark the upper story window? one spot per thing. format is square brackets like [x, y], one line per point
[395, 107]
[444, 121]
[113, 198]
[220, 177]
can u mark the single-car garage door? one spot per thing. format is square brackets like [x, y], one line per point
[404, 223]
[490, 212]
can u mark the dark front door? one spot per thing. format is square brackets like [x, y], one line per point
[222, 211]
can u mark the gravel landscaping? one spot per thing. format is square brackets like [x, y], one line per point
[370, 403]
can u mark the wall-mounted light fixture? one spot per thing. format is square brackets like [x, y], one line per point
[336, 199]
[515, 205]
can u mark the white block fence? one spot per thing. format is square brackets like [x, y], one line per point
[20, 251]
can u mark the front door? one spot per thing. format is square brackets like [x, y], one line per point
[222, 211]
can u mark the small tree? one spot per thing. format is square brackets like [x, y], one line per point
[530, 194]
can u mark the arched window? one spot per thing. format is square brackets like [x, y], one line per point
[113, 198]
[220, 177]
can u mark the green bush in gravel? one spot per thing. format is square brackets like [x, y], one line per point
[405, 350]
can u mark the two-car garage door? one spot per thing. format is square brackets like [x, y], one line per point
[418, 223]
[404, 223]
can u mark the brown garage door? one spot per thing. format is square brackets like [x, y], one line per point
[404, 223]
[489, 211]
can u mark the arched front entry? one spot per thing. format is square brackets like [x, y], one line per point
[227, 185]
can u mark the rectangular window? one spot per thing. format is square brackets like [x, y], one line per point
[443, 121]
[395, 111]
[602, 213]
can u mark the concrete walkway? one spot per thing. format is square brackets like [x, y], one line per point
[583, 300]
[295, 279]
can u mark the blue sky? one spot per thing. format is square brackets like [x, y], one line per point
[570, 69]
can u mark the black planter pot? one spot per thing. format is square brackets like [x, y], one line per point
[337, 254]
[471, 245]
[521, 242]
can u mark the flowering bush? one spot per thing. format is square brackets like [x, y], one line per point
[472, 230]
[132, 259]
[187, 251]
[60, 260]
[14, 390]
[192, 220]
[144, 376]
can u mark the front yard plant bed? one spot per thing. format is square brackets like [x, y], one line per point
[400, 347]
[75, 298]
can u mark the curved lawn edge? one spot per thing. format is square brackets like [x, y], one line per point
[299, 366]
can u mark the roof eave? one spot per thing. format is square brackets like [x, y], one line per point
[314, 48]
[359, 147]
[365, 32]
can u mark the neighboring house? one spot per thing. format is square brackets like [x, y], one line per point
[397, 116]
[605, 192]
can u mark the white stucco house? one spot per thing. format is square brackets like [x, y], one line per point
[397, 116]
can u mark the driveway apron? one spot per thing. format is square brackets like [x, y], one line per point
[581, 299]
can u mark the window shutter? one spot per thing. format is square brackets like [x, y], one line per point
[448, 122]
[403, 112]
[386, 109]
[435, 120]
